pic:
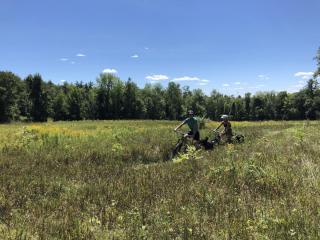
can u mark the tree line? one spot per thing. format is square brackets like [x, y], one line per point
[33, 99]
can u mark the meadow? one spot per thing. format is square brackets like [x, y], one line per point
[112, 180]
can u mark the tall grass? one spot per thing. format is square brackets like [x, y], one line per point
[110, 180]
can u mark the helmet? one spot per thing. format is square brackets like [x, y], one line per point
[190, 112]
[224, 117]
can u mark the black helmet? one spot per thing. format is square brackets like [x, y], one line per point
[190, 112]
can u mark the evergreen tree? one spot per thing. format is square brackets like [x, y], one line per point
[38, 98]
[130, 100]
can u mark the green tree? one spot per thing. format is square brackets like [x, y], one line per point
[174, 101]
[258, 107]
[117, 93]
[75, 103]
[281, 111]
[89, 103]
[247, 105]
[130, 106]
[38, 98]
[9, 86]
[310, 91]
[60, 107]
[214, 105]
[198, 102]
[103, 97]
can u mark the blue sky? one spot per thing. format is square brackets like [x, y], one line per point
[232, 46]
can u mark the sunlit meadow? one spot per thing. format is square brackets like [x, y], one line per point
[112, 180]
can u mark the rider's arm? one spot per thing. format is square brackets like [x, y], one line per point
[219, 126]
[176, 129]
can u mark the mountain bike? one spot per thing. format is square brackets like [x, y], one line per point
[216, 140]
[182, 144]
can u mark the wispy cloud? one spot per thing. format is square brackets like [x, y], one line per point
[253, 87]
[239, 88]
[186, 78]
[225, 85]
[62, 81]
[237, 83]
[81, 55]
[64, 59]
[304, 75]
[259, 86]
[157, 77]
[300, 85]
[146, 48]
[203, 83]
[73, 62]
[263, 77]
[189, 79]
[110, 70]
[295, 88]
[135, 56]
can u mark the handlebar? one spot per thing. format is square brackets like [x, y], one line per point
[179, 132]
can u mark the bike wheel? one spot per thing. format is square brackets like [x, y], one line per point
[176, 149]
[239, 138]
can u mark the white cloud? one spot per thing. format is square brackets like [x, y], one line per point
[237, 83]
[63, 81]
[203, 83]
[135, 56]
[64, 59]
[263, 77]
[186, 78]
[304, 75]
[239, 88]
[157, 77]
[226, 85]
[110, 70]
[253, 87]
[81, 55]
[73, 62]
[146, 48]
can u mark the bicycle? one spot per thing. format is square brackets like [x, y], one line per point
[216, 140]
[182, 144]
[236, 138]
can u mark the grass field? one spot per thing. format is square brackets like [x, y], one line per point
[109, 180]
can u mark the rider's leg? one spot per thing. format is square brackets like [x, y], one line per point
[229, 135]
[229, 138]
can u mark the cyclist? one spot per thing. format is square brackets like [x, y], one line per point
[227, 131]
[193, 124]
